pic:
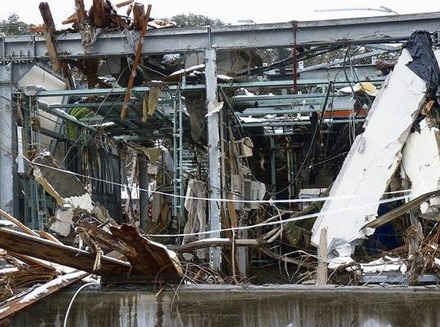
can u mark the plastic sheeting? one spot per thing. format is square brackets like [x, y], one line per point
[424, 63]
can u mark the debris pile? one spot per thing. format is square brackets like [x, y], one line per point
[347, 193]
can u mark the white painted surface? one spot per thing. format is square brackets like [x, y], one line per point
[421, 163]
[38, 76]
[62, 222]
[373, 158]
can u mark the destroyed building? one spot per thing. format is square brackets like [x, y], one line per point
[139, 151]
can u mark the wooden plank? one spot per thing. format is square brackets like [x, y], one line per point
[48, 33]
[99, 15]
[399, 211]
[16, 304]
[321, 272]
[70, 256]
[137, 58]
[138, 16]
[18, 223]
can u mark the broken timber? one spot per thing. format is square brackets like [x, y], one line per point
[137, 58]
[147, 258]
[70, 256]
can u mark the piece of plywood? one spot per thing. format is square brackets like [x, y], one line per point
[372, 160]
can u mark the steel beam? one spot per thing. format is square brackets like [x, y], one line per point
[7, 135]
[367, 30]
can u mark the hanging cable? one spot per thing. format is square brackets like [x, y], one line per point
[73, 299]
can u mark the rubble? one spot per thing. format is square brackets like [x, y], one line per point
[307, 177]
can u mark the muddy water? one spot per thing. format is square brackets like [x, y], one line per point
[285, 306]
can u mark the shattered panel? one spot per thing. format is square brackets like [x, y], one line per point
[372, 160]
[421, 163]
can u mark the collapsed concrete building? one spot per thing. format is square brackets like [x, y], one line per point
[143, 148]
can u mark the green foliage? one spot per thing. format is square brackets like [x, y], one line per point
[193, 20]
[13, 26]
[72, 129]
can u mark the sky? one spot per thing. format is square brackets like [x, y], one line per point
[236, 11]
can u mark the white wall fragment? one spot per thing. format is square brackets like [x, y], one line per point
[38, 76]
[372, 160]
[421, 163]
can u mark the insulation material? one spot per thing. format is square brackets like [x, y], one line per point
[421, 163]
[372, 160]
[151, 99]
[195, 205]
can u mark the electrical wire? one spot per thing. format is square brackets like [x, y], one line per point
[73, 299]
[279, 222]
[270, 201]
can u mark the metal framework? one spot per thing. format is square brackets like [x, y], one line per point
[18, 55]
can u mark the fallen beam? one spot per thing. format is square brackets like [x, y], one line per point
[137, 58]
[49, 35]
[401, 210]
[70, 256]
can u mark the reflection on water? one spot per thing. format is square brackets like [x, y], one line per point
[287, 306]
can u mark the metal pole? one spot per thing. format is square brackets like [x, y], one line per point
[7, 127]
[143, 191]
[214, 155]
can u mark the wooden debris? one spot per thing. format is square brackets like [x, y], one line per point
[138, 16]
[321, 272]
[18, 223]
[206, 243]
[49, 36]
[49, 32]
[74, 18]
[135, 63]
[18, 242]
[26, 299]
[401, 210]
[150, 258]
[99, 14]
